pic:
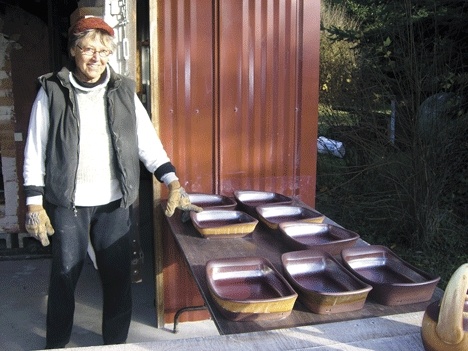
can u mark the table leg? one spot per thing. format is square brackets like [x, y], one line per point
[185, 309]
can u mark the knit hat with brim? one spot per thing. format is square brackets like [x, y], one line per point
[87, 23]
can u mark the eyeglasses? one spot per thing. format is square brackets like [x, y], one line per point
[91, 52]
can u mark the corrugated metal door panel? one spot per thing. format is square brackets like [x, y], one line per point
[238, 85]
[309, 100]
[186, 99]
[185, 36]
[260, 87]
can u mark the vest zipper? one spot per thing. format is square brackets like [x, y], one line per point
[75, 113]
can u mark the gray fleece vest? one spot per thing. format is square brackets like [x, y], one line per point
[62, 152]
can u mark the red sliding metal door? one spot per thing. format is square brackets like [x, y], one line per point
[237, 102]
[239, 94]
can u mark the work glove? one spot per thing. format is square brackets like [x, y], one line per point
[38, 224]
[178, 198]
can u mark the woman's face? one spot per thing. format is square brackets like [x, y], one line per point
[91, 57]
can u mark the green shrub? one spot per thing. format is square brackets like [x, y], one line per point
[339, 67]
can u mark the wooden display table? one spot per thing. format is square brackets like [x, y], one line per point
[263, 242]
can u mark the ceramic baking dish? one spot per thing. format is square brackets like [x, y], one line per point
[273, 215]
[326, 237]
[223, 223]
[323, 284]
[394, 281]
[249, 288]
[212, 201]
[249, 199]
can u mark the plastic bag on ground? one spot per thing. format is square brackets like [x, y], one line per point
[330, 146]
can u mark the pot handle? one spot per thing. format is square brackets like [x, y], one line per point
[450, 323]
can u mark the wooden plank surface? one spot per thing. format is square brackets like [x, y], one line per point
[263, 242]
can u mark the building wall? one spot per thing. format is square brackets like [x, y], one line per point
[9, 207]
[24, 55]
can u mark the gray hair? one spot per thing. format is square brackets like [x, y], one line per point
[105, 39]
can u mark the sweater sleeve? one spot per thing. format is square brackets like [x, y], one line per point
[150, 149]
[35, 147]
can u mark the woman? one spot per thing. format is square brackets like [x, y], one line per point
[87, 133]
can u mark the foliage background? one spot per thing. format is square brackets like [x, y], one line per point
[394, 79]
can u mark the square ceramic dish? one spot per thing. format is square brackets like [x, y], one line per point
[273, 215]
[212, 201]
[249, 288]
[323, 284]
[326, 237]
[250, 199]
[394, 281]
[223, 223]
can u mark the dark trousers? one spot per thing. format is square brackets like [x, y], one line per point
[108, 228]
